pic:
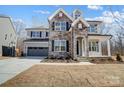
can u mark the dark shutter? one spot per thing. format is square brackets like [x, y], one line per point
[53, 26]
[40, 34]
[46, 34]
[31, 33]
[67, 46]
[67, 26]
[52, 45]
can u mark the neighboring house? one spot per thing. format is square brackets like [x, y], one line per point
[36, 43]
[71, 35]
[7, 37]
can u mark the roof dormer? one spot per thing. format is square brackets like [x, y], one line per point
[76, 14]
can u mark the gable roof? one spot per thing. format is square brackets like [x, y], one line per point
[60, 10]
[38, 28]
[82, 20]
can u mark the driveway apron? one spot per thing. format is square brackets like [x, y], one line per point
[9, 68]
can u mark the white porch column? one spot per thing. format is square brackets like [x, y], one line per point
[108, 47]
[100, 48]
[75, 48]
[86, 47]
[83, 47]
[26, 50]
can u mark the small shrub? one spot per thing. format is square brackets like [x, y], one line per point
[68, 56]
[92, 60]
[75, 59]
[110, 59]
[51, 57]
[102, 59]
[118, 58]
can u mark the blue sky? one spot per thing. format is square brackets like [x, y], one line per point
[42, 12]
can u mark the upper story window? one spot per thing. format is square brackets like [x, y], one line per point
[39, 34]
[35, 34]
[60, 26]
[5, 36]
[92, 28]
[44, 34]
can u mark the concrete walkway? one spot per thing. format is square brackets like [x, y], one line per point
[13, 66]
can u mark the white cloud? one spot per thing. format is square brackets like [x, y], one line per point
[41, 11]
[57, 5]
[109, 17]
[110, 25]
[107, 20]
[19, 21]
[95, 7]
[110, 14]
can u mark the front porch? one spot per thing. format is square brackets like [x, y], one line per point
[92, 46]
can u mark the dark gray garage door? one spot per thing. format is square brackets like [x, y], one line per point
[37, 51]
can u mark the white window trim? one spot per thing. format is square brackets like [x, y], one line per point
[35, 34]
[59, 46]
[97, 48]
[90, 30]
[60, 25]
[43, 34]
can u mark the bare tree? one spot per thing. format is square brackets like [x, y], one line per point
[20, 29]
[119, 36]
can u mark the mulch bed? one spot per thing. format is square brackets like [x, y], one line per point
[59, 61]
[92, 60]
[105, 61]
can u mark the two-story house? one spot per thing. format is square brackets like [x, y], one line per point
[75, 36]
[7, 36]
[36, 43]
[70, 35]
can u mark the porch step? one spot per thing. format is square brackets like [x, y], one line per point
[83, 59]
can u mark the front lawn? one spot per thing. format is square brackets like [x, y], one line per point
[69, 76]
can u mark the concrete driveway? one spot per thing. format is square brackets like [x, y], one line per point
[13, 66]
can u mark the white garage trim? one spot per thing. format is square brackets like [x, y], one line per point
[33, 44]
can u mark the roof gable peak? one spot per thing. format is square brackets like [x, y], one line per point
[56, 12]
[80, 19]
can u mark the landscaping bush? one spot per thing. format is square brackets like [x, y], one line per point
[51, 57]
[118, 58]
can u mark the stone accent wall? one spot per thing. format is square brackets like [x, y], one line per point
[71, 36]
[58, 34]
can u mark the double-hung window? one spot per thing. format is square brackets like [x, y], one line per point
[92, 28]
[60, 26]
[35, 34]
[60, 45]
[94, 46]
